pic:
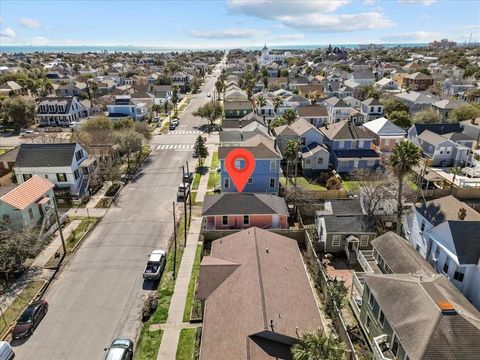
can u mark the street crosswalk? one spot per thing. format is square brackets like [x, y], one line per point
[180, 147]
[185, 132]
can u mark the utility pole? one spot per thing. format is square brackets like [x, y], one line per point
[189, 198]
[59, 226]
[184, 208]
[174, 240]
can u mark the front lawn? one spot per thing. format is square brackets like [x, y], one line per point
[186, 344]
[215, 161]
[191, 285]
[196, 181]
[303, 182]
[351, 186]
[12, 312]
[149, 341]
[213, 180]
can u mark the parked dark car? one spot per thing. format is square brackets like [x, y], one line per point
[172, 126]
[30, 318]
[188, 177]
[120, 349]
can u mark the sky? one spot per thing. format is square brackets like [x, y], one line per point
[236, 23]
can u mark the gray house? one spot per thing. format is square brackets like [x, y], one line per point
[442, 151]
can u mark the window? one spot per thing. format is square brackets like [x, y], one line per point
[446, 265]
[395, 345]
[302, 141]
[417, 248]
[226, 183]
[459, 274]
[381, 318]
[224, 220]
[336, 240]
[6, 218]
[250, 181]
[371, 300]
[76, 174]
[437, 252]
[363, 240]
[320, 161]
[273, 166]
[79, 155]
[246, 220]
[30, 213]
[26, 177]
[307, 161]
[422, 227]
[61, 177]
[272, 183]
[367, 324]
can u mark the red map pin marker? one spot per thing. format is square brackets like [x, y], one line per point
[240, 176]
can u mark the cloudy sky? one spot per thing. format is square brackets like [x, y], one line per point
[232, 23]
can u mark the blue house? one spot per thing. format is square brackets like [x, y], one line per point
[265, 177]
[350, 147]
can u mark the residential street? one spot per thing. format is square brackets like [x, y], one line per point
[97, 296]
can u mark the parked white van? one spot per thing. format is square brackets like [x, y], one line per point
[6, 351]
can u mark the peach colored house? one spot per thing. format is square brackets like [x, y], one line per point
[386, 134]
[244, 210]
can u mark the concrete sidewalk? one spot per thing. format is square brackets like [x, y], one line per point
[168, 347]
[87, 212]
[94, 200]
[202, 186]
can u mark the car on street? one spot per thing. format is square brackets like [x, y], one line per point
[27, 133]
[182, 192]
[30, 318]
[175, 121]
[172, 126]
[6, 351]
[155, 265]
[188, 177]
[120, 349]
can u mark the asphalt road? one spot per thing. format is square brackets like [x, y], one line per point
[98, 294]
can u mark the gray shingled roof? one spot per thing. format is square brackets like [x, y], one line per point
[410, 307]
[42, 155]
[446, 208]
[466, 240]
[244, 204]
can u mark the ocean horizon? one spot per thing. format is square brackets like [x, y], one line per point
[159, 49]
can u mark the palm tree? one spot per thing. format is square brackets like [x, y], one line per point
[289, 116]
[261, 101]
[277, 102]
[174, 98]
[455, 171]
[404, 157]
[318, 346]
[291, 154]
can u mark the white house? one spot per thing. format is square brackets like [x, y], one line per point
[371, 109]
[28, 203]
[60, 111]
[125, 106]
[66, 165]
[337, 110]
[445, 232]
[266, 57]
[363, 78]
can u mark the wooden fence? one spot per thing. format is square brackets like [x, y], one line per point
[460, 193]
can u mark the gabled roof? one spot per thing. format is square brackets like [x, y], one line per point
[344, 130]
[439, 129]
[45, 155]
[372, 101]
[262, 294]
[257, 145]
[301, 126]
[243, 204]
[446, 208]
[27, 193]
[383, 126]
[411, 305]
[432, 138]
[363, 75]
[336, 102]
[312, 111]
[400, 256]
[465, 245]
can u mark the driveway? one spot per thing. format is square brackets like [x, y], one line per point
[97, 295]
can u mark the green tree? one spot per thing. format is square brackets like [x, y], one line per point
[277, 102]
[16, 246]
[289, 116]
[318, 346]
[472, 95]
[219, 87]
[465, 112]
[142, 128]
[265, 77]
[261, 102]
[404, 157]
[391, 104]
[129, 142]
[400, 118]
[290, 152]
[337, 292]
[175, 97]
[428, 116]
[370, 92]
[210, 111]
[166, 106]
[18, 112]
[200, 149]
